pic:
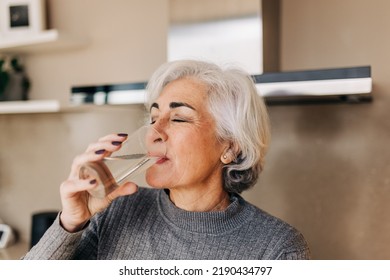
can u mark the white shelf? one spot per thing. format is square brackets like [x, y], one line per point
[48, 40]
[54, 106]
[45, 41]
[29, 106]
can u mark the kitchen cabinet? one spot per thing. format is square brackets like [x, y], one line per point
[43, 42]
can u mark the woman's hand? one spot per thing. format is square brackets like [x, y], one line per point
[78, 206]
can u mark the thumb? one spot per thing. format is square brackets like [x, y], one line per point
[127, 188]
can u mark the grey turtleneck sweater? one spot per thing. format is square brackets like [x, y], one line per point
[147, 225]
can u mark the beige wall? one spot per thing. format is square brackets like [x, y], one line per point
[126, 42]
[328, 169]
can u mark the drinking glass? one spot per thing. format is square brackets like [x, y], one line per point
[138, 152]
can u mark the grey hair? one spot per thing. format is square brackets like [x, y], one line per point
[239, 111]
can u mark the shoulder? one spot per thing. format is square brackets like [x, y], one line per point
[283, 241]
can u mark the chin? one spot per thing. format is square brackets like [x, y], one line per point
[155, 181]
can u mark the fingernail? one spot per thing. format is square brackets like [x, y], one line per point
[122, 134]
[92, 181]
[116, 143]
[99, 152]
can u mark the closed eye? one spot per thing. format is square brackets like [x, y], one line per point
[179, 120]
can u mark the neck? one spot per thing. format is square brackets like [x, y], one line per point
[195, 201]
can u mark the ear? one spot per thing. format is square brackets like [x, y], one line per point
[229, 154]
[227, 157]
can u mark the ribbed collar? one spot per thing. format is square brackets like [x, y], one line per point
[237, 213]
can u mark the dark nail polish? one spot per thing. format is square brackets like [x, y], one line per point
[92, 181]
[116, 143]
[99, 152]
[122, 134]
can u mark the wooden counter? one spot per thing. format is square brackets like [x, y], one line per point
[14, 252]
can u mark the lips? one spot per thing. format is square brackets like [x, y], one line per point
[161, 160]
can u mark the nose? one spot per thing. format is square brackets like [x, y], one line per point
[158, 136]
[159, 131]
[156, 141]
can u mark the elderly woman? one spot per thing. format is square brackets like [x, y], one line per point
[216, 130]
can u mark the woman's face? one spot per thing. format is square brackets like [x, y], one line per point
[181, 116]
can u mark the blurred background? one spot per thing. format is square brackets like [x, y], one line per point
[328, 168]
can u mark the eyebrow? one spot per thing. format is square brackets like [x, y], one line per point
[154, 105]
[173, 105]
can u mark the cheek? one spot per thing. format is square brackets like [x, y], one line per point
[193, 145]
[196, 151]
[192, 155]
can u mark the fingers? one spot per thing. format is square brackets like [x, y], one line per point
[127, 188]
[78, 206]
[74, 200]
[69, 188]
[110, 143]
[77, 201]
[97, 151]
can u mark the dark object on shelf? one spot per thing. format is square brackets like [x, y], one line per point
[14, 84]
[125, 93]
[4, 77]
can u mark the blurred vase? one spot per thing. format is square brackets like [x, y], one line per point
[14, 82]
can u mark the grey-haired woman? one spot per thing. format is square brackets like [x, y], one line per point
[216, 130]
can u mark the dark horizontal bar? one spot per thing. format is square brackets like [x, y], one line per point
[108, 88]
[310, 100]
[277, 77]
[310, 75]
[288, 76]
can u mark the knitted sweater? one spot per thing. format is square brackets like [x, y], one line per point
[147, 225]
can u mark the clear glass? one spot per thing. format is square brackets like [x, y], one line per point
[142, 149]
